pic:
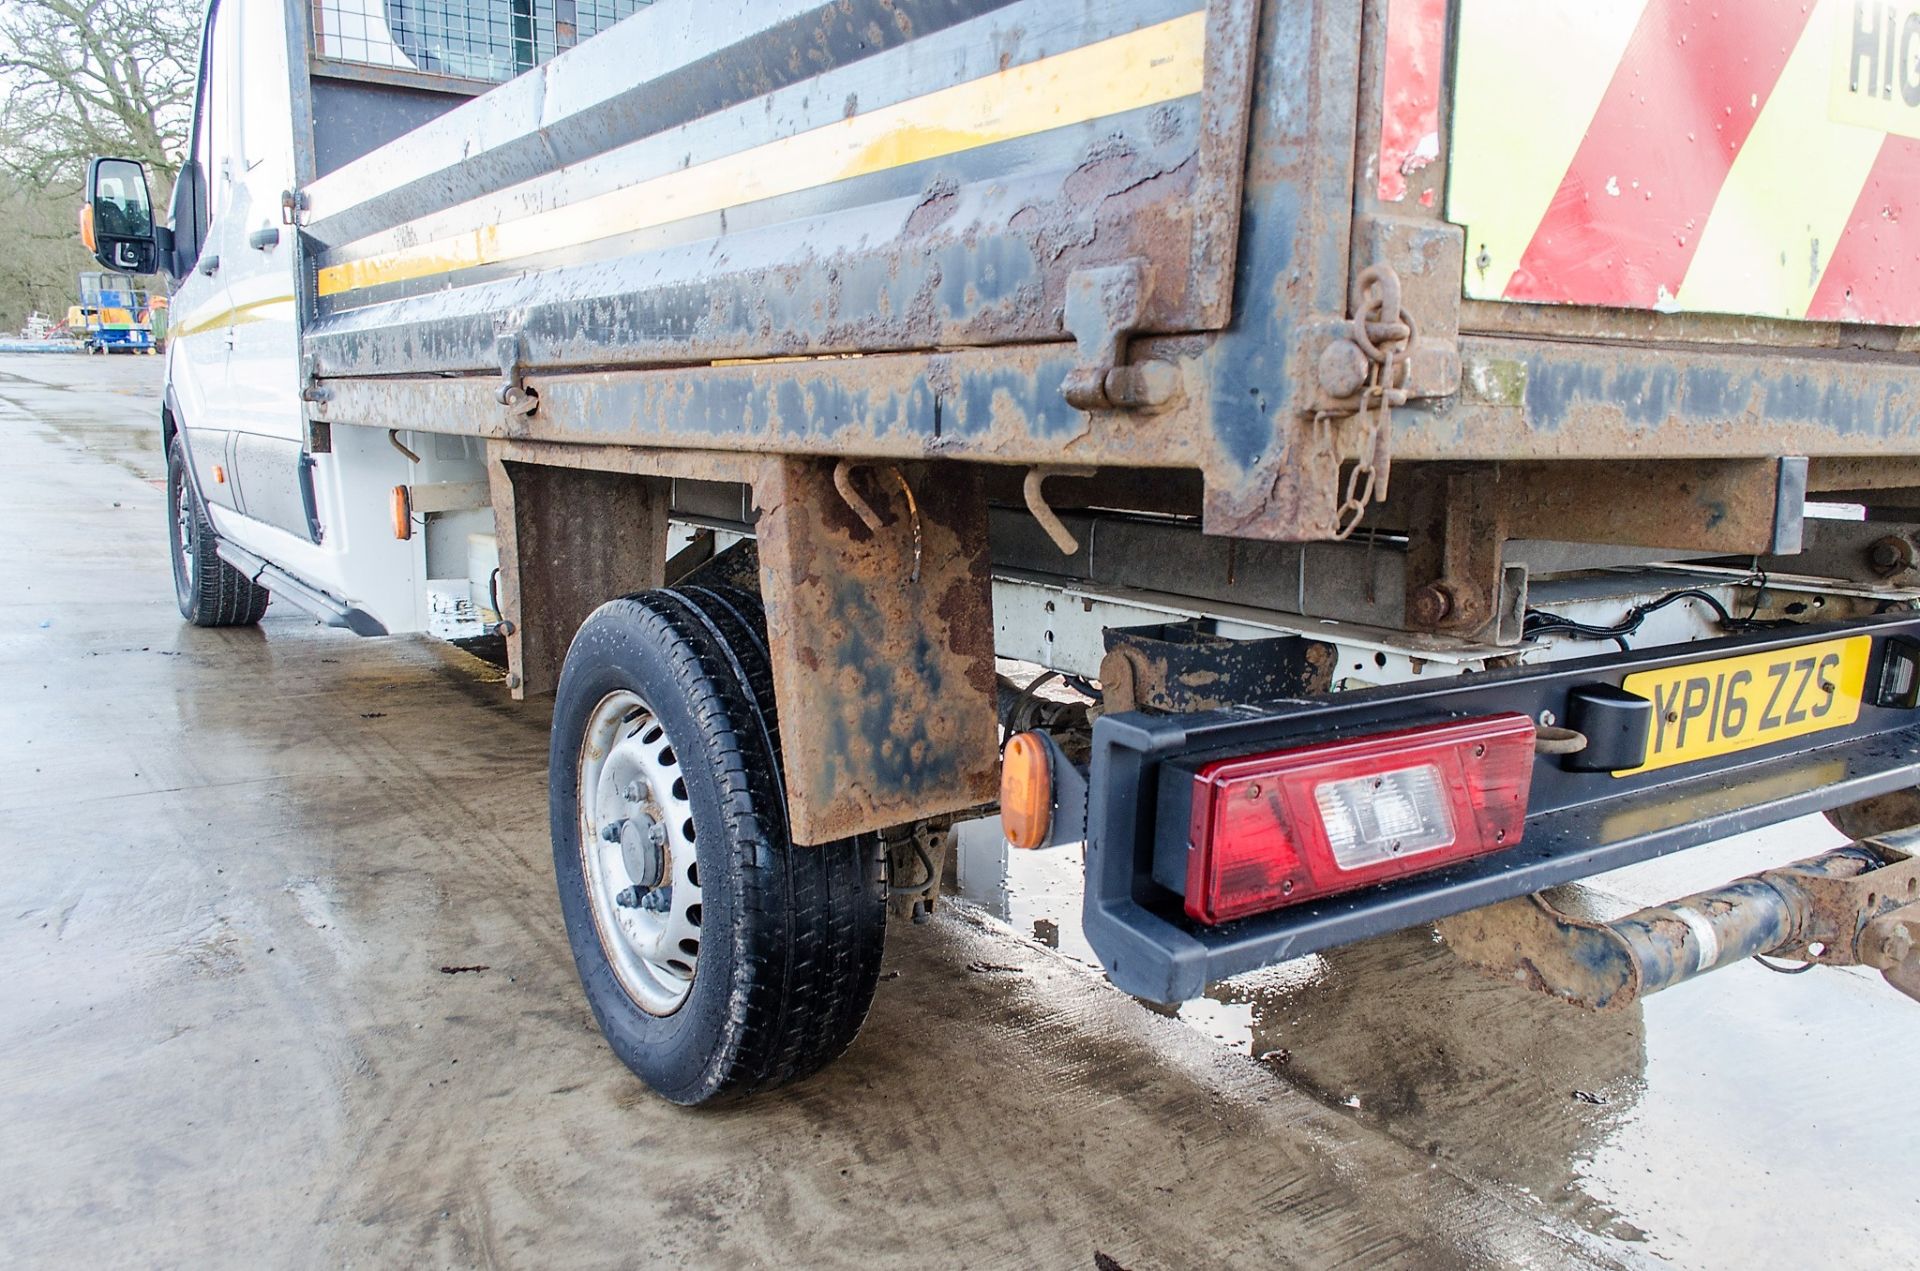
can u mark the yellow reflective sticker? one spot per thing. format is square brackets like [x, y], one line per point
[1788, 199]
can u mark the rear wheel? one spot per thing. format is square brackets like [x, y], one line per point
[211, 592]
[718, 957]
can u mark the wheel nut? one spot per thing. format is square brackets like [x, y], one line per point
[658, 900]
[631, 898]
[611, 831]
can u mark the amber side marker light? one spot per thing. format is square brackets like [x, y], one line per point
[402, 513]
[1026, 791]
[87, 239]
[1273, 830]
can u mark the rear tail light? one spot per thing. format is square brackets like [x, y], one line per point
[1277, 829]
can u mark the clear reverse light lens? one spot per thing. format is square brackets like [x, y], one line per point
[1379, 817]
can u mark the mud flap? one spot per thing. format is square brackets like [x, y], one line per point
[881, 640]
[571, 539]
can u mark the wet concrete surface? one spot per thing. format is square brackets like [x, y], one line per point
[1747, 1119]
[239, 864]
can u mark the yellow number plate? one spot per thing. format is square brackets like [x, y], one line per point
[1732, 704]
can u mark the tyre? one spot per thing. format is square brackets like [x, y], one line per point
[211, 592]
[718, 958]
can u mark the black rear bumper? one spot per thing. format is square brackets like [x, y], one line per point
[1579, 823]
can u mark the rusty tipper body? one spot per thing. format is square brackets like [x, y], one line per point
[1433, 450]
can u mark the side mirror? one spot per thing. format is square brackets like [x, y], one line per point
[116, 222]
[180, 245]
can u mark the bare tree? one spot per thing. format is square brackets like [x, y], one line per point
[89, 77]
[80, 78]
[40, 254]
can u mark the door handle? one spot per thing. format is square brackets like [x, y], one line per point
[210, 265]
[264, 239]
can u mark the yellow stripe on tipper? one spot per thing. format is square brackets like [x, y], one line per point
[1726, 705]
[1155, 64]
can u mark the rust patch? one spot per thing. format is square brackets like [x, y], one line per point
[884, 678]
[1180, 667]
[570, 540]
[935, 209]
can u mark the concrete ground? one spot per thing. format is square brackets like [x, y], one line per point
[237, 869]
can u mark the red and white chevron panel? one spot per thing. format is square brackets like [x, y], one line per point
[1707, 156]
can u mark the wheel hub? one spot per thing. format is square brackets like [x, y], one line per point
[637, 852]
[643, 849]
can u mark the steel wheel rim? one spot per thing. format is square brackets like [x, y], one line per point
[183, 530]
[629, 781]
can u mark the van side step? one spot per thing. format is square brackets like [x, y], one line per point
[331, 611]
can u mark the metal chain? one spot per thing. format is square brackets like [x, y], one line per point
[1383, 341]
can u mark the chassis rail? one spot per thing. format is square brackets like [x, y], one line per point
[1853, 906]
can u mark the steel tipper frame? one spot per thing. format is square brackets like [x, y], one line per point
[1146, 249]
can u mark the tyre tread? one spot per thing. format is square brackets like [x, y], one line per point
[214, 593]
[810, 921]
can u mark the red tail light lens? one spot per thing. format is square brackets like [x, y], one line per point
[1277, 829]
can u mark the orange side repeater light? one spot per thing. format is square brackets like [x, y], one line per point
[402, 513]
[87, 239]
[1026, 791]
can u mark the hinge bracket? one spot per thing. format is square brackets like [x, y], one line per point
[311, 389]
[514, 393]
[319, 438]
[1105, 306]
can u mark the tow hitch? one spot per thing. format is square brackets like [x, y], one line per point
[1856, 906]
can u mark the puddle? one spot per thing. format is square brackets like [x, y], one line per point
[134, 448]
[108, 407]
[1673, 1126]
